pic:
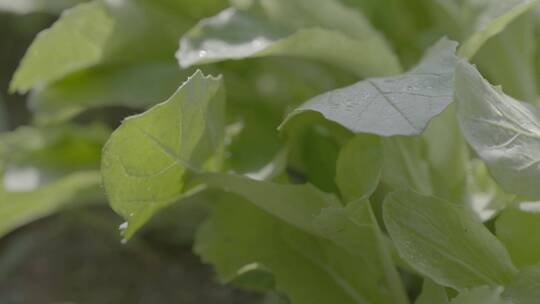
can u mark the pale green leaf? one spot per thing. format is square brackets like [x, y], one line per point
[396, 105]
[494, 17]
[74, 42]
[445, 242]
[359, 167]
[20, 208]
[323, 31]
[504, 132]
[146, 160]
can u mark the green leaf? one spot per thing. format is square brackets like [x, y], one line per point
[353, 229]
[323, 31]
[359, 167]
[447, 154]
[432, 293]
[146, 160]
[481, 295]
[368, 106]
[444, 242]
[518, 228]
[405, 166]
[20, 208]
[525, 288]
[276, 199]
[76, 41]
[356, 229]
[231, 240]
[491, 20]
[504, 132]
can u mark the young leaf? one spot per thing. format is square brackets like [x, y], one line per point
[396, 105]
[444, 242]
[504, 132]
[525, 288]
[359, 167]
[492, 20]
[518, 228]
[481, 295]
[331, 33]
[76, 41]
[146, 159]
[20, 208]
[432, 293]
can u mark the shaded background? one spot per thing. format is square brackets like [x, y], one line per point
[76, 256]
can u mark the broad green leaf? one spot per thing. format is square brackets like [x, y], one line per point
[525, 288]
[409, 101]
[481, 295]
[20, 208]
[323, 31]
[504, 132]
[491, 20]
[445, 242]
[359, 167]
[238, 236]
[432, 294]
[74, 42]
[146, 160]
[518, 228]
[231, 240]
[353, 229]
